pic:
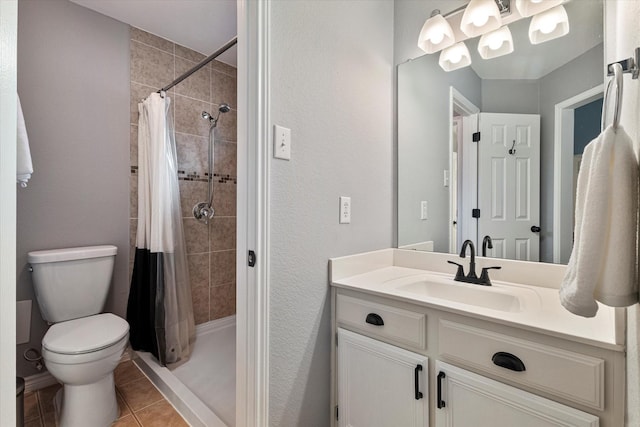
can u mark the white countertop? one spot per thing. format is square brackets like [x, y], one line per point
[536, 308]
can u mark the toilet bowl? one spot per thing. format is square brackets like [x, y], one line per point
[82, 347]
[82, 354]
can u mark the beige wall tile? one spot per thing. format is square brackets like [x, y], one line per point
[224, 198]
[223, 233]
[189, 116]
[223, 68]
[161, 414]
[223, 301]
[133, 229]
[227, 127]
[191, 192]
[195, 234]
[152, 40]
[138, 93]
[200, 298]
[198, 85]
[133, 145]
[225, 159]
[191, 55]
[193, 154]
[223, 89]
[139, 393]
[133, 195]
[151, 66]
[223, 267]
[198, 270]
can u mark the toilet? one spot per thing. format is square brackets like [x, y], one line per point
[82, 347]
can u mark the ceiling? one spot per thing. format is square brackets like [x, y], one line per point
[201, 25]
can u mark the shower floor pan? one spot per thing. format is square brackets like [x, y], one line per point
[203, 389]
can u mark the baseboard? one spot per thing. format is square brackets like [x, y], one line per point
[38, 381]
[214, 325]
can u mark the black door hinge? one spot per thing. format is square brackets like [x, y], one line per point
[476, 136]
[475, 213]
[251, 258]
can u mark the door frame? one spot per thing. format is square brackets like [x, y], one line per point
[8, 113]
[563, 165]
[458, 103]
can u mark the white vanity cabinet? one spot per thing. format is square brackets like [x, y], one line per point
[380, 340]
[380, 385]
[465, 399]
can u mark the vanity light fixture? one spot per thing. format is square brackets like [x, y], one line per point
[496, 43]
[436, 33]
[549, 25]
[528, 8]
[480, 17]
[454, 57]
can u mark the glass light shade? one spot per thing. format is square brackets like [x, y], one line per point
[436, 34]
[532, 7]
[496, 43]
[454, 57]
[480, 17]
[549, 25]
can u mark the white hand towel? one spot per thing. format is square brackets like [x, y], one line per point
[602, 265]
[24, 167]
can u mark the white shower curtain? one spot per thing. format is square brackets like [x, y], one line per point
[160, 310]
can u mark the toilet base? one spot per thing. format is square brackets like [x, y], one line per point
[87, 405]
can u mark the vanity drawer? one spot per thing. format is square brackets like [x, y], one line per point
[400, 325]
[563, 373]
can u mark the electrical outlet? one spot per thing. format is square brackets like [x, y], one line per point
[281, 142]
[345, 210]
[424, 213]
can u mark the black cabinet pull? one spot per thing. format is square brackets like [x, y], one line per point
[508, 361]
[416, 383]
[374, 319]
[440, 403]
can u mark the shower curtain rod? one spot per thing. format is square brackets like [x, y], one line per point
[210, 58]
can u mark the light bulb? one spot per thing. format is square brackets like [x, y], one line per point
[547, 27]
[436, 37]
[536, 1]
[480, 19]
[495, 43]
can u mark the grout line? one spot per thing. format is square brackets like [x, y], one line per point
[154, 47]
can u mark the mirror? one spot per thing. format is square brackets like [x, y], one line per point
[535, 109]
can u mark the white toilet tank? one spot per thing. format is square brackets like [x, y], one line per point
[73, 282]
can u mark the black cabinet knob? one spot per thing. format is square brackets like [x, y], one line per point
[535, 229]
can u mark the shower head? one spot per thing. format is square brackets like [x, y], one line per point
[224, 108]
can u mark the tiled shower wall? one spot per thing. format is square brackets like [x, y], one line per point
[211, 250]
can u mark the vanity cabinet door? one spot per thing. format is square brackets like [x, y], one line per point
[465, 399]
[380, 385]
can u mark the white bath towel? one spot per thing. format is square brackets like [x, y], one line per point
[602, 265]
[24, 167]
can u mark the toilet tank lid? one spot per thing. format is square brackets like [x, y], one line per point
[68, 254]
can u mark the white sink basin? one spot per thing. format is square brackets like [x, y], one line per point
[482, 296]
[499, 297]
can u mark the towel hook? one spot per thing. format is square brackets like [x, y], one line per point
[617, 73]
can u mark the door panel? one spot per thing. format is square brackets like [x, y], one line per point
[509, 183]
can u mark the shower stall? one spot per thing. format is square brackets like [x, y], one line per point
[203, 99]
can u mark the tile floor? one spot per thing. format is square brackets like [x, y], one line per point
[141, 404]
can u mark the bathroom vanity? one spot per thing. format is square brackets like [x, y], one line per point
[412, 347]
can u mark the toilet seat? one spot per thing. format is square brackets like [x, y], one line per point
[85, 335]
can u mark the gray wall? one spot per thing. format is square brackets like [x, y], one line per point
[579, 75]
[331, 83]
[73, 81]
[511, 96]
[423, 146]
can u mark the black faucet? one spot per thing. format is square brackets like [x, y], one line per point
[486, 243]
[472, 277]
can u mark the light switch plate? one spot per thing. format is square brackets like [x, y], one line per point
[424, 213]
[345, 210]
[281, 142]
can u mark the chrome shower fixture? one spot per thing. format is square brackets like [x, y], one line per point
[203, 211]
